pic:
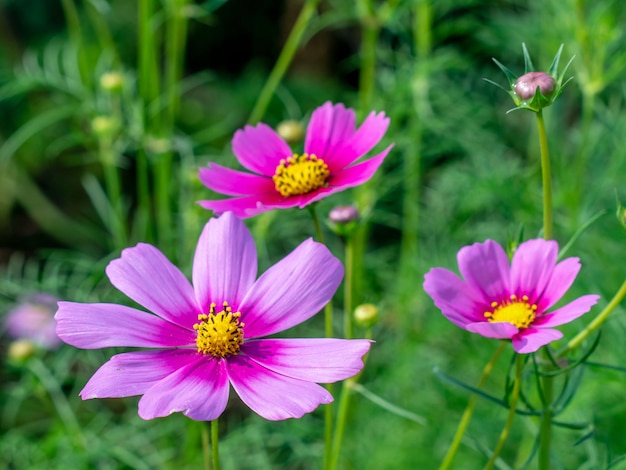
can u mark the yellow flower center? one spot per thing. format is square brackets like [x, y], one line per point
[300, 174]
[516, 311]
[219, 334]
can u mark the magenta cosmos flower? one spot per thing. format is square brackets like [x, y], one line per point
[33, 319]
[205, 338]
[509, 302]
[283, 179]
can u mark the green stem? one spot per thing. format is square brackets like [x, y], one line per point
[597, 322]
[342, 414]
[284, 59]
[366, 193]
[206, 453]
[545, 428]
[215, 444]
[422, 31]
[509, 421]
[546, 178]
[114, 191]
[469, 410]
[328, 327]
[547, 381]
[347, 288]
[76, 36]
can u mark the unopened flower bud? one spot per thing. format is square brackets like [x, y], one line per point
[343, 214]
[33, 320]
[104, 126]
[112, 81]
[526, 85]
[366, 315]
[21, 350]
[291, 131]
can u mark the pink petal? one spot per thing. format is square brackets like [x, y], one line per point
[133, 373]
[260, 149]
[453, 297]
[366, 137]
[225, 263]
[532, 267]
[234, 183]
[531, 339]
[499, 330]
[145, 275]
[320, 360]
[331, 126]
[93, 326]
[568, 312]
[273, 396]
[562, 279]
[249, 206]
[291, 291]
[199, 390]
[485, 268]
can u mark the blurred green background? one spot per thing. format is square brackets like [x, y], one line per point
[462, 171]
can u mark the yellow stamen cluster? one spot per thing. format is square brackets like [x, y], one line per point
[219, 334]
[515, 311]
[300, 174]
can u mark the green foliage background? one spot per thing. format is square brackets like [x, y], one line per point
[475, 175]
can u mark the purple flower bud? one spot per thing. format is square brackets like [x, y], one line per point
[343, 214]
[33, 319]
[527, 84]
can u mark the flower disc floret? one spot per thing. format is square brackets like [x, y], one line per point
[515, 311]
[509, 300]
[300, 174]
[219, 334]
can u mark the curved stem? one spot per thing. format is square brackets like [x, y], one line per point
[467, 414]
[215, 444]
[284, 59]
[546, 178]
[597, 322]
[509, 421]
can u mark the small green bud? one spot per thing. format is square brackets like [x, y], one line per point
[366, 315]
[112, 81]
[343, 220]
[104, 126]
[20, 350]
[291, 131]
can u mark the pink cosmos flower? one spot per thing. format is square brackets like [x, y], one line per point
[206, 337]
[33, 319]
[498, 300]
[282, 179]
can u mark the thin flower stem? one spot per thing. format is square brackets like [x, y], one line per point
[328, 327]
[596, 323]
[215, 444]
[467, 414]
[206, 453]
[547, 381]
[509, 421]
[347, 288]
[148, 85]
[546, 178]
[114, 191]
[284, 59]
[342, 414]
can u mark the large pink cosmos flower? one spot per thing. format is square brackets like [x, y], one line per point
[282, 179]
[509, 302]
[205, 337]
